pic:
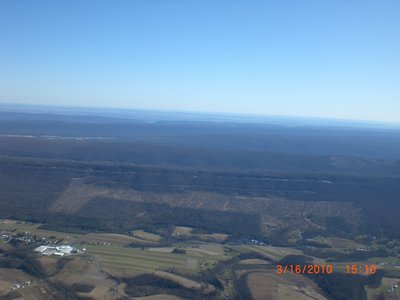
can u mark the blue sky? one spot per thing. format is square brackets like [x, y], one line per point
[336, 59]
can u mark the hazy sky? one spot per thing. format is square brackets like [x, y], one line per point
[309, 58]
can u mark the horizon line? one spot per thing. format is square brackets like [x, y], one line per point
[248, 115]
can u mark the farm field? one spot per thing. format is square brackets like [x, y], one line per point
[120, 261]
[9, 278]
[344, 243]
[111, 238]
[110, 254]
[267, 285]
[374, 292]
[147, 236]
[159, 297]
[127, 261]
[187, 232]
[79, 271]
[276, 253]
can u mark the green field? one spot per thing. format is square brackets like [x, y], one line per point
[134, 260]
[126, 260]
[137, 260]
[275, 253]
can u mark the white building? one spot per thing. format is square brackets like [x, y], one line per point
[56, 250]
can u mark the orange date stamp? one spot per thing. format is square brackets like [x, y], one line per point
[304, 269]
[315, 269]
[361, 269]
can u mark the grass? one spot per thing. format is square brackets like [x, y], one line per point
[148, 236]
[139, 261]
[125, 260]
[187, 232]
[389, 260]
[276, 253]
[114, 239]
[265, 284]
[262, 285]
[374, 293]
[9, 277]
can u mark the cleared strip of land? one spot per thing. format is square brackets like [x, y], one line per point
[140, 261]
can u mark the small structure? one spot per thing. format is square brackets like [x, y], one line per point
[41, 248]
[56, 250]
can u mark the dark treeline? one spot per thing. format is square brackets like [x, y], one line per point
[189, 156]
[29, 186]
[148, 284]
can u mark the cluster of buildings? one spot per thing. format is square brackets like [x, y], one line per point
[5, 237]
[21, 285]
[249, 241]
[25, 237]
[60, 250]
[392, 289]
